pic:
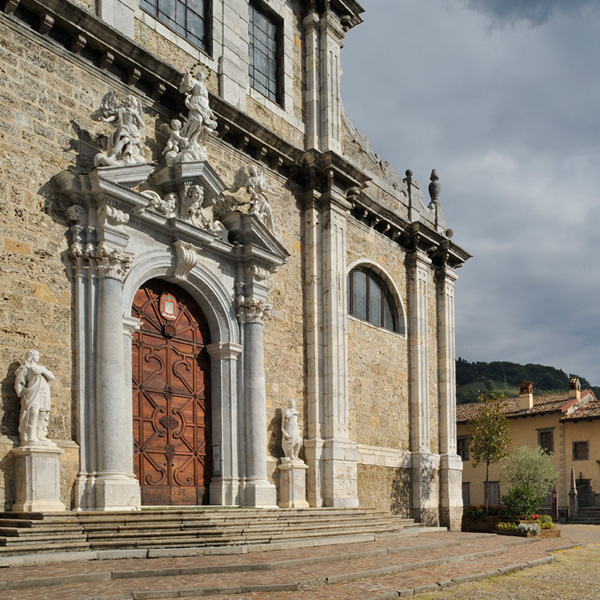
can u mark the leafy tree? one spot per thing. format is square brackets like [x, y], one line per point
[529, 470]
[489, 434]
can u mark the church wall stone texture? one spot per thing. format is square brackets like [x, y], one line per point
[292, 201]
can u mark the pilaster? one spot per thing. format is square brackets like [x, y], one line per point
[424, 479]
[450, 464]
[339, 454]
[225, 486]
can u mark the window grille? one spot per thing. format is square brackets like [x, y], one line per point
[369, 299]
[265, 53]
[187, 18]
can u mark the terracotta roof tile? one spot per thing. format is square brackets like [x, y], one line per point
[541, 405]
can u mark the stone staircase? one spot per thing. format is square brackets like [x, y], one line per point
[28, 533]
[589, 515]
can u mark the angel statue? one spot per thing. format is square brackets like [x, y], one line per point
[291, 438]
[125, 143]
[176, 142]
[257, 186]
[201, 121]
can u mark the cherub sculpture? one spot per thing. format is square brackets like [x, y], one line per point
[125, 143]
[257, 186]
[176, 142]
[166, 206]
[200, 212]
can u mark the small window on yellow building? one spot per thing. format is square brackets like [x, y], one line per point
[546, 440]
[462, 447]
[581, 450]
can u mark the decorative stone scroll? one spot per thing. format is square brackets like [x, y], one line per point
[127, 120]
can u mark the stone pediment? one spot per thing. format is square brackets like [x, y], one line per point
[177, 203]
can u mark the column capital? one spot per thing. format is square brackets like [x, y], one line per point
[112, 262]
[252, 309]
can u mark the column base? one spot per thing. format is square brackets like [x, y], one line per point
[292, 484]
[260, 494]
[116, 491]
[224, 492]
[37, 478]
[451, 505]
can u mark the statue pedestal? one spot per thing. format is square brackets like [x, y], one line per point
[292, 484]
[37, 478]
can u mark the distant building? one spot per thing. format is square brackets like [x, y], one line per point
[567, 425]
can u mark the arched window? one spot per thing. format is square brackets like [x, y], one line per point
[370, 299]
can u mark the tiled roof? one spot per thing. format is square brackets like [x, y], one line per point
[541, 405]
[588, 412]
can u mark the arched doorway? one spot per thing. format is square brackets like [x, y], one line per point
[171, 396]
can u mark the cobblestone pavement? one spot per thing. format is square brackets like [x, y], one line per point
[381, 570]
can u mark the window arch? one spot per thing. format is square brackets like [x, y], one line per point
[370, 299]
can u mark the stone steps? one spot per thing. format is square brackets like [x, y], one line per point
[377, 570]
[81, 531]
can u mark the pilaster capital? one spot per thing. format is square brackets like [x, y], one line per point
[224, 351]
[252, 309]
[446, 274]
[419, 259]
[112, 262]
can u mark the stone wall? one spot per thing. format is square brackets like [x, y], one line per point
[385, 488]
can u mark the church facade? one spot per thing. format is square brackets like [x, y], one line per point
[239, 303]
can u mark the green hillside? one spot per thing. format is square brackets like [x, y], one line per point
[475, 378]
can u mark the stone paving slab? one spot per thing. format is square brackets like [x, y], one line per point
[357, 572]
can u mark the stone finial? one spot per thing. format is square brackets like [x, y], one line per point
[32, 384]
[434, 187]
[127, 120]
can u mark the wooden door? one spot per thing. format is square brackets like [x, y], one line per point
[171, 397]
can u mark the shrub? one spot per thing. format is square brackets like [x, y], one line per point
[520, 503]
[506, 527]
[481, 511]
[545, 522]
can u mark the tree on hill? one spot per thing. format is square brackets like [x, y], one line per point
[489, 434]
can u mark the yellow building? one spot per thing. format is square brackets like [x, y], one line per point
[568, 425]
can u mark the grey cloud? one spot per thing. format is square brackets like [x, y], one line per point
[534, 12]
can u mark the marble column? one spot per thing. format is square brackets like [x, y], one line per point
[424, 478]
[450, 462]
[116, 487]
[258, 490]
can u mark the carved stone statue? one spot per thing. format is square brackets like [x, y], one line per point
[200, 123]
[257, 186]
[291, 439]
[166, 206]
[176, 142]
[125, 143]
[32, 384]
[200, 212]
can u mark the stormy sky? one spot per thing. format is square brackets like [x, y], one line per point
[502, 97]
